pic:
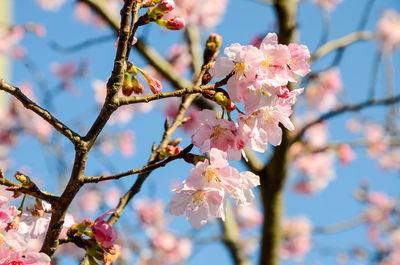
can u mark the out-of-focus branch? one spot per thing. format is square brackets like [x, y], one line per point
[47, 116]
[145, 169]
[347, 108]
[81, 45]
[339, 227]
[253, 163]
[340, 43]
[231, 238]
[32, 191]
[193, 37]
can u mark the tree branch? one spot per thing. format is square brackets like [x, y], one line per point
[343, 109]
[32, 191]
[29, 104]
[145, 169]
[340, 43]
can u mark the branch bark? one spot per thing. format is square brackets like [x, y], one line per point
[44, 114]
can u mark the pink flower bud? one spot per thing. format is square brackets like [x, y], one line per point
[104, 234]
[166, 6]
[154, 84]
[175, 23]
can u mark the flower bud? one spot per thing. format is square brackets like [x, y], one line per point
[223, 100]
[165, 6]
[25, 180]
[137, 87]
[127, 87]
[211, 51]
[175, 23]
[154, 84]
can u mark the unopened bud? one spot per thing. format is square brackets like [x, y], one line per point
[223, 100]
[175, 23]
[154, 84]
[137, 87]
[165, 6]
[127, 87]
[25, 180]
[211, 51]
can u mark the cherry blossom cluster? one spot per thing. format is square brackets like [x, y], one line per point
[258, 79]
[157, 13]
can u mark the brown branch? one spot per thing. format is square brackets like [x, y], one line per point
[32, 191]
[346, 108]
[145, 169]
[114, 83]
[47, 116]
[340, 43]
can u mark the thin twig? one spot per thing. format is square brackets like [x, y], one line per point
[47, 116]
[347, 108]
[340, 43]
[145, 169]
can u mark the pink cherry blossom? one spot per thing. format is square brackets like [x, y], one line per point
[198, 205]
[170, 249]
[329, 5]
[203, 13]
[321, 94]
[388, 30]
[50, 5]
[150, 212]
[248, 216]
[216, 133]
[296, 237]
[103, 232]
[345, 154]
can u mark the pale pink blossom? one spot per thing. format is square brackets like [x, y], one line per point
[150, 212]
[24, 249]
[89, 200]
[345, 154]
[198, 205]
[388, 30]
[10, 38]
[126, 143]
[317, 171]
[296, 237]
[50, 5]
[321, 94]
[103, 232]
[375, 136]
[390, 159]
[203, 13]
[113, 196]
[170, 249]
[248, 216]
[216, 133]
[329, 5]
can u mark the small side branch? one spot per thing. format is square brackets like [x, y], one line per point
[346, 225]
[340, 43]
[347, 108]
[47, 116]
[145, 169]
[32, 191]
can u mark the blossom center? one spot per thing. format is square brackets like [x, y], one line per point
[212, 174]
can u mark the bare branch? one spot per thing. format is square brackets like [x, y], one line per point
[346, 225]
[32, 191]
[346, 108]
[145, 169]
[47, 116]
[340, 43]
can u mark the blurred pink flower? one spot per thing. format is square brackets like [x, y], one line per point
[296, 237]
[388, 30]
[50, 5]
